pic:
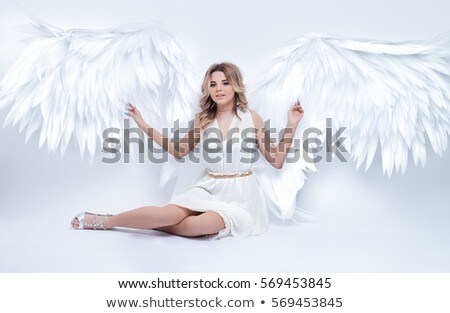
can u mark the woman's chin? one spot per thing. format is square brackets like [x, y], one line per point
[222, 102]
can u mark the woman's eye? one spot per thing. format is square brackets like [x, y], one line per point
[212, 85]
[225, 83]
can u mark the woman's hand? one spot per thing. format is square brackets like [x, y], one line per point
[135, 114]
[295, 114]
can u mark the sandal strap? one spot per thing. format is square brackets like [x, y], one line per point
[98, 221]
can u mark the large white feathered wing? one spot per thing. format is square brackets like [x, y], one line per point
[77, 83]
[391, 97]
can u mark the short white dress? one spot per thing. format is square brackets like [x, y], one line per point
[239, 200]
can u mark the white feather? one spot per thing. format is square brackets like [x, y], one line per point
[388, 96]
[76, 83]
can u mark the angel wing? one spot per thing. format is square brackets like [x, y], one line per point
[391, 97]
[77, 83]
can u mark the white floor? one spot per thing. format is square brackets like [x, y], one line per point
[369, 223]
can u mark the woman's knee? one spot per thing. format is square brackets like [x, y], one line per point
[177, 213]
[197, 225]
[205, 224]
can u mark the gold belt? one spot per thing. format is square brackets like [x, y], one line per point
[229, 175]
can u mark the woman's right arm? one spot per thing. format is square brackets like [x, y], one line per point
[178, 150]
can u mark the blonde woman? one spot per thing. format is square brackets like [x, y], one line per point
[227, 200]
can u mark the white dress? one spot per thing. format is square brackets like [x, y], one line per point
[239, 200]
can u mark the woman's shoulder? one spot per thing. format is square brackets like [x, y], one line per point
[250, 112]
[253, 112]
[257, 119]
[197, 119]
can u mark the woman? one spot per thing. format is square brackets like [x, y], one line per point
[227, 200]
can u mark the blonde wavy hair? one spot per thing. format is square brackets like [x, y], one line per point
[234, 77]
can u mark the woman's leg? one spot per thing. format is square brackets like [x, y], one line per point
[207, 223]
[147, 217]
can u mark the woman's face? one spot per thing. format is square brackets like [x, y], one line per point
[220, 89]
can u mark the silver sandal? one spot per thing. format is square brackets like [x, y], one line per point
[95, 225]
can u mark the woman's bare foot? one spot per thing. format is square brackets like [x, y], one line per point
[86, 220]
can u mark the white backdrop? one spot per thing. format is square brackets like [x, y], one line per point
[369, 222]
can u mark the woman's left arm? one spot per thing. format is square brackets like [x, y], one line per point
[276, 155]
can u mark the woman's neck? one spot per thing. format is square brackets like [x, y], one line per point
[224, 110]
[225, 107]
